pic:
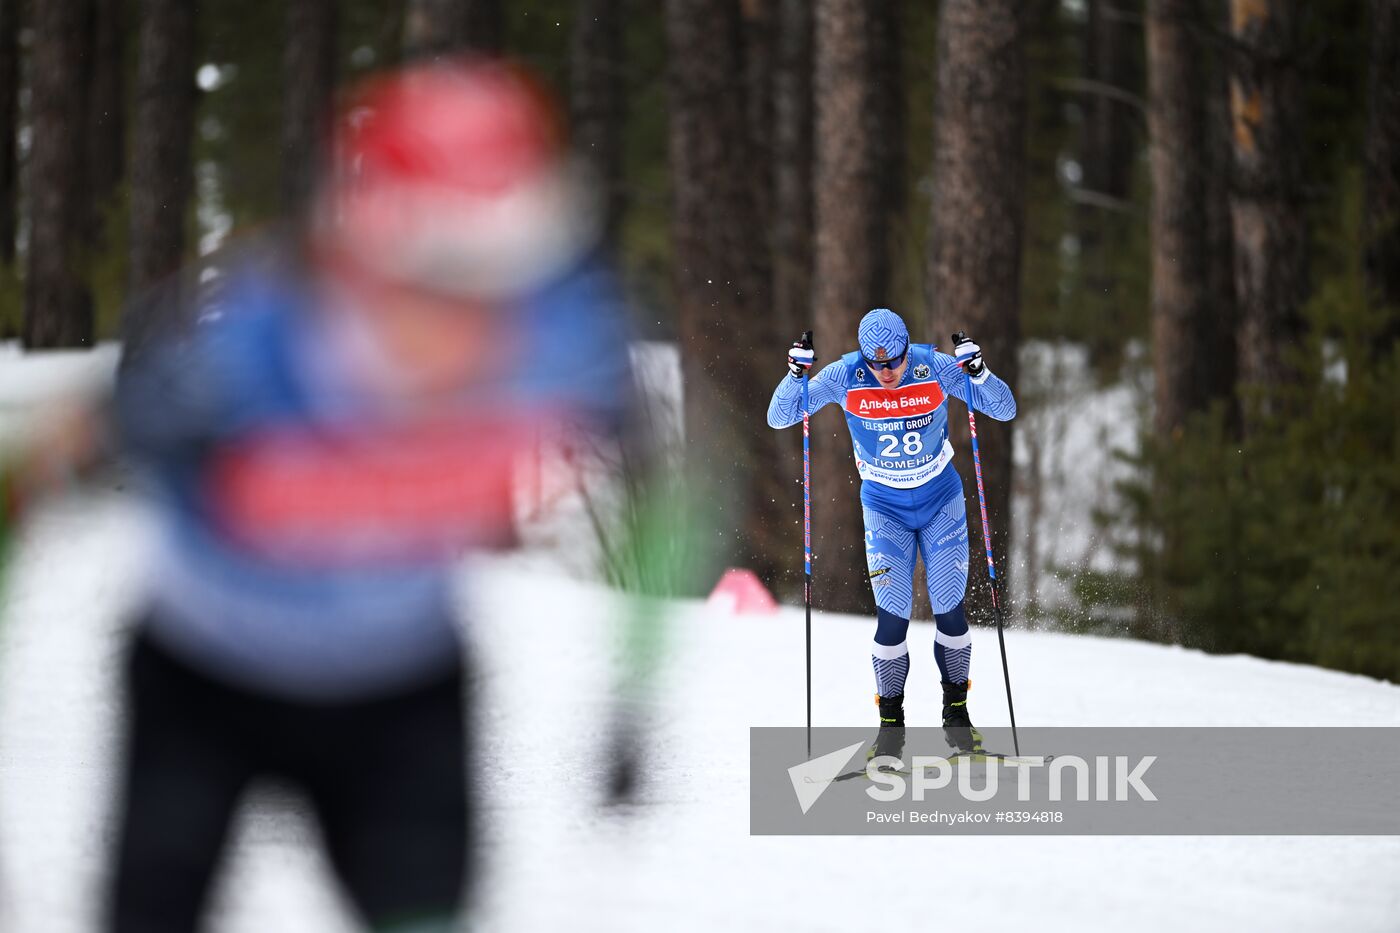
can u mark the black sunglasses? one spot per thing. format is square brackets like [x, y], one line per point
[892, 363]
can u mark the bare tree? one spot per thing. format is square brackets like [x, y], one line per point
[485, 26]
[1214, 346]
[721, 283]
[433, 27]
[1177, 124]
[760, 67]
[308, 79]
[161, 172]
[107, 107]
[792, 168]
[886, 25]
[442, 27]
[1266, 207]
[9, 127]
[851, 274]
[58, 304]
[1382, 212]
[598, 104]
[789, 173]
[1109, 130]
[978, 211]
[1107, 153]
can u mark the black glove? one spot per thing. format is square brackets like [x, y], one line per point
[969, 356]
[801, 356]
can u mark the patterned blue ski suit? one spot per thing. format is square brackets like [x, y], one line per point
[911, 495]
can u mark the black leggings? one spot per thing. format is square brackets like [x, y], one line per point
[386, 778]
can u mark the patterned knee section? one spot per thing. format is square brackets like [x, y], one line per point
[952, 645]
[889, 654]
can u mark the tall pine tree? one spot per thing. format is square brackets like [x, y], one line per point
[308, 72]
[721, 283]
[858, 160]
[1266, 209]
[977, 215]
[161, 173]
[58, 303]
[1176, 124]
[597, 103]
[1382, 211]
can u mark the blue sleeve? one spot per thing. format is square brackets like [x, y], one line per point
[155, 406]
[826, 387]
[993, 396]
[596, 383]
[218, 366]
[178, 395]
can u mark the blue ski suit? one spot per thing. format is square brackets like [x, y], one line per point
[911, 495]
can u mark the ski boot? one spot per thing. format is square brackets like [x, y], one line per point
[890, 740]
[957, 725]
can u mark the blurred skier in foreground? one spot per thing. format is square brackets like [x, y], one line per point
[325, 437]
[894, 395]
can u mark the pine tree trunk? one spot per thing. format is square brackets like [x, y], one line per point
[1382, 212]
[1266, 207]
[1214, 347]
[308, 76]
[58, 304]
[851, 274]
[760, 63]
[9, 127]
[433, 28]
[107, 121]
[792, 169]
[791, 210]
[1108, 150]
[977, 223]
[886, 25]
[485, 26]
[161, 140]
[598, 104]
[1107, 146]
[1181, 268]
[730, 356]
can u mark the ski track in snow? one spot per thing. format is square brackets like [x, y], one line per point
[682, 859]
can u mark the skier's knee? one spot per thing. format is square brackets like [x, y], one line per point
[890, 629]
[952, 622]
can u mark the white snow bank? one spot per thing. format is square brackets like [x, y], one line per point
[29, 380]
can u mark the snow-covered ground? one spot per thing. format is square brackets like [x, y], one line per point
[683, 860]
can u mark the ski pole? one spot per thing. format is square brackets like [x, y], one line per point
[807, 535]
[987, 540]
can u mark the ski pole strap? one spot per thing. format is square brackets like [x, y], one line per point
[981, 493]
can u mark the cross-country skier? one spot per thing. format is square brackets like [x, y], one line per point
[325, 438]
[894, 395]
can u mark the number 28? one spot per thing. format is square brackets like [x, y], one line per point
[913, 443]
